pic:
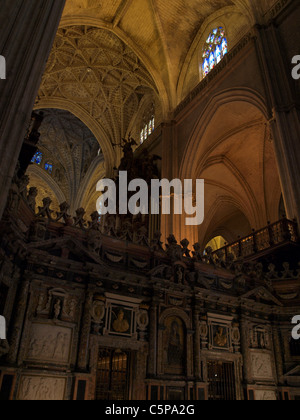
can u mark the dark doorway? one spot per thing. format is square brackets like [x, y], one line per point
[113, 375]
[221, 379]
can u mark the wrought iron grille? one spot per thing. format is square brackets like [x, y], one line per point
[113, 373]
[221, 378]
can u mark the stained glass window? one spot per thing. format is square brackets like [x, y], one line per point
[37, 158]
[147, 130]
[216, 47]
[49, 167]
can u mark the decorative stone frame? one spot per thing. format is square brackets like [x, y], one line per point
[223, 321]
[127, 303]
[179, 313]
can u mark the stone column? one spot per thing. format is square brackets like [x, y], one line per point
[284, 106]
[197, 347]
[245, 331]
[152, 362]
[27, 32]
[277, 353]
[85, 332]
[190, 363]
[17, 326]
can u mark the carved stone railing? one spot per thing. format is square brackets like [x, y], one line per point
[276, 234]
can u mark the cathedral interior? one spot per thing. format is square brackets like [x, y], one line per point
[146, 307]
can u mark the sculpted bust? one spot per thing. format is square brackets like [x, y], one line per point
[121, 325]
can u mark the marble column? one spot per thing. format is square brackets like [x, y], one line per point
[27, 32]
[85, 332]
[17, 326]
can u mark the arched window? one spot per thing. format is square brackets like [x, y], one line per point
[37, 158]
[215, 48]
[147, 129]
[216, 243]
[49, 167]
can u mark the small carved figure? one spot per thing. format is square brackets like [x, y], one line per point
[63, 214]
[31, 198]
[156, 243]
[185, 245]
[179, 275]
[95, 222]
[23, 184]
[174, 250]
[57, 309]
[45, 210]
[198, 255]
[79, 219]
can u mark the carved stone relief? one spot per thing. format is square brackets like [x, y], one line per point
[260, 337]
[265, 396]
[40, 388]
[49, 343]
[262, 366]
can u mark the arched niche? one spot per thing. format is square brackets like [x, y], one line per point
[175, 345]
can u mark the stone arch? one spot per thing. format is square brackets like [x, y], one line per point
[96, 129]
[214, 225]
[225, 143]
[40, 179]
[87, 191]
[251, 210]
[176, 312]
[194, 56]
[225, 97]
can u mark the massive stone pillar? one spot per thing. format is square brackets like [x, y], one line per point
[27, 32]
[285, 122]
[16, 330]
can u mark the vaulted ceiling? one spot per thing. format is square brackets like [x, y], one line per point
[162, 32]
[111, 58]
[73, 151]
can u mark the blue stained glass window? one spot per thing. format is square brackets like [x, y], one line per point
[148, 130]
[206, 66]
[49, 167]
[216, 47]
[37, 158]
[218, 54]
[212, 61]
